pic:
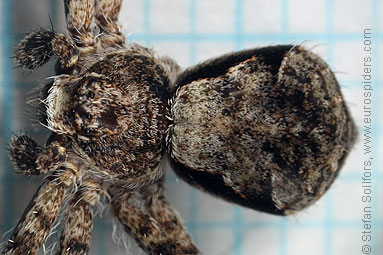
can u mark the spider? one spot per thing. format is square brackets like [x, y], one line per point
[264, 128]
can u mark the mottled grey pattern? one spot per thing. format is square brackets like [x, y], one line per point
[270, 125]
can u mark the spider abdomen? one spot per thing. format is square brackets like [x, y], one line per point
[265, 128]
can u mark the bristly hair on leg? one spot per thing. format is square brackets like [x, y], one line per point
[40, 45]
[23, 153]
[35, 49]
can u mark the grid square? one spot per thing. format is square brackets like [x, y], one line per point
[206, 50]
[351, 59]
[347, 196]
[352, 16]
[311, 20]
[342, 244]
[109, 237]
[177, 193]
[132, 16]
[305, 241]
[315, 214]
[252, 216]
[212, 209]
[215, 241]
[215, 16]
[353, 164]
[261, 16]
[261, 241]
[173, 10]
[179, 51]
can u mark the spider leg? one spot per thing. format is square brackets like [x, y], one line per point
[38, 219]
[80, 24]
[31, 159]
[107, 12]
[145, 229]
[76, 233]
[167, 218]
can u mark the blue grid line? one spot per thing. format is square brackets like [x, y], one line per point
[146, 14]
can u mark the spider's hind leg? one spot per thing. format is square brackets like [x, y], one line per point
[167, 218]
[156, 234]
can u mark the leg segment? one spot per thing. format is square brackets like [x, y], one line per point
[38, 219]
[145, 229]
[107, 12]
[167, 218]
[77, 231]
[80, 23]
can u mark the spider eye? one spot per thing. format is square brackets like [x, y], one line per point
[90, 94]
[73, 111]
[84, 130]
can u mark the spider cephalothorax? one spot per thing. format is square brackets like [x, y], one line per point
[264, 128]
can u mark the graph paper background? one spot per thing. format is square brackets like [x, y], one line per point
[194, 30]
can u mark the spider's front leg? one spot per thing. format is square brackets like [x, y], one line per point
[37, 220]
[107, 20]
[41, 213]
[155, 233]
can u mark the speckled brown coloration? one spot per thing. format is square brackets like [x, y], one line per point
[38, 219]
[158, 230]
[167, 219]
[77, 230]
[107, 108]
[265, 128]
[107, 20]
